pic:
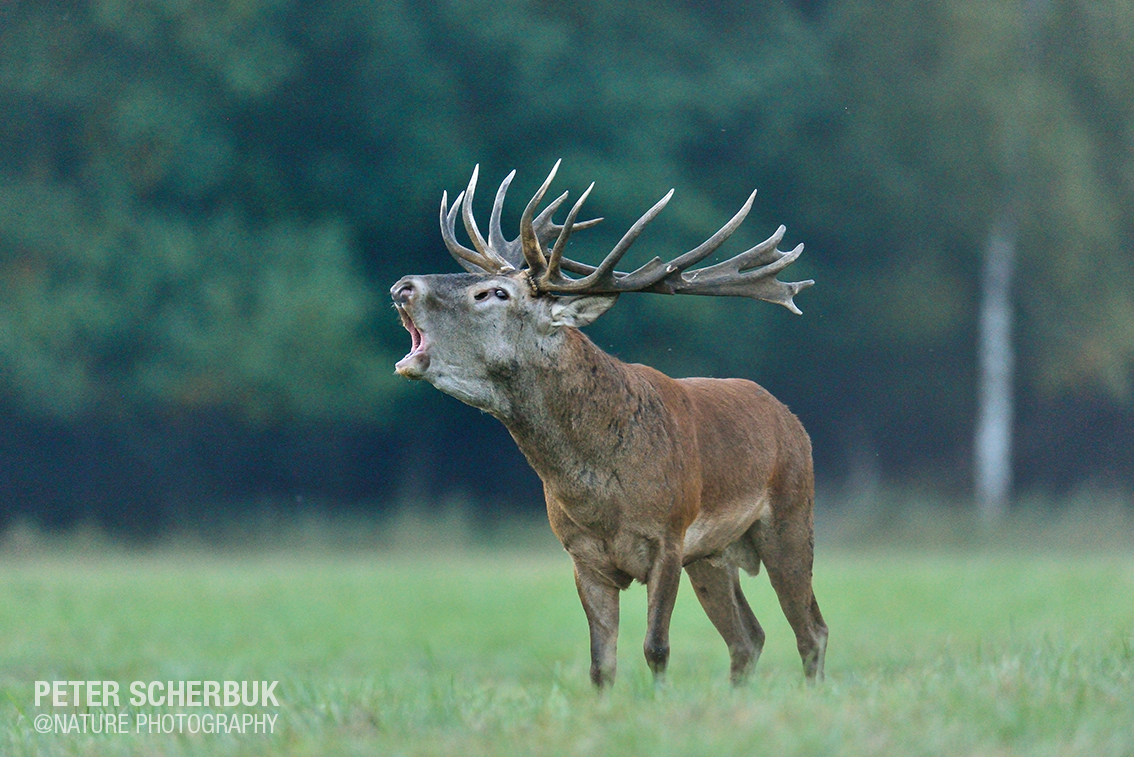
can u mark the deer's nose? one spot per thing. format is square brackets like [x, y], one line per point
[405, 290]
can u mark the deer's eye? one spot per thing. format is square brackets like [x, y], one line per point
[501, 294]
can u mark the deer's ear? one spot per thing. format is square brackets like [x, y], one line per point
[580, 311]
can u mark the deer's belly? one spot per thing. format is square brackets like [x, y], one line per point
[716, 530]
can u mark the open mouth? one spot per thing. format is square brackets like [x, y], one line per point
[416, 361]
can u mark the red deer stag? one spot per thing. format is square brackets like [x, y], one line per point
[643, 474]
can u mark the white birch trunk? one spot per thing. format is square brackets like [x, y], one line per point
[995, 391]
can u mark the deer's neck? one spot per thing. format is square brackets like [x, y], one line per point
[572, 412]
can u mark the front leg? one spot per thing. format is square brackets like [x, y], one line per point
[600, 602]
[661, 592]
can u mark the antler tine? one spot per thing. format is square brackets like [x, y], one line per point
[656, 277]
[713, 243]
[552, 273]
[529, 240]
[580, 225]
[764, 254]
[470, 260]
[548, 230]
[493, 262]
[543, 223]
[603, 278]
[750, 274]
[509, 250]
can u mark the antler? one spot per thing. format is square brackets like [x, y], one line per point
[498, 254]
[750, 274]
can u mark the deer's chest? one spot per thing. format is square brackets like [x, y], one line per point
[605, 537]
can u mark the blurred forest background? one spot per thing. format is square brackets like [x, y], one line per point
[203, 205]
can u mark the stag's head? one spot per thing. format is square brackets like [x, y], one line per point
[472, 331]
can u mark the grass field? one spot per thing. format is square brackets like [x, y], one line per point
[986, 649]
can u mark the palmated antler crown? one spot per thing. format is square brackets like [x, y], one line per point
[540, 245]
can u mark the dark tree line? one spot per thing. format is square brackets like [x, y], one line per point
[203, 204]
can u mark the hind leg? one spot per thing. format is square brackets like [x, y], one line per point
[718, 590]
[748, 617]
[787, 549]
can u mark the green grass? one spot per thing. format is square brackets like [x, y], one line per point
[970, 651]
